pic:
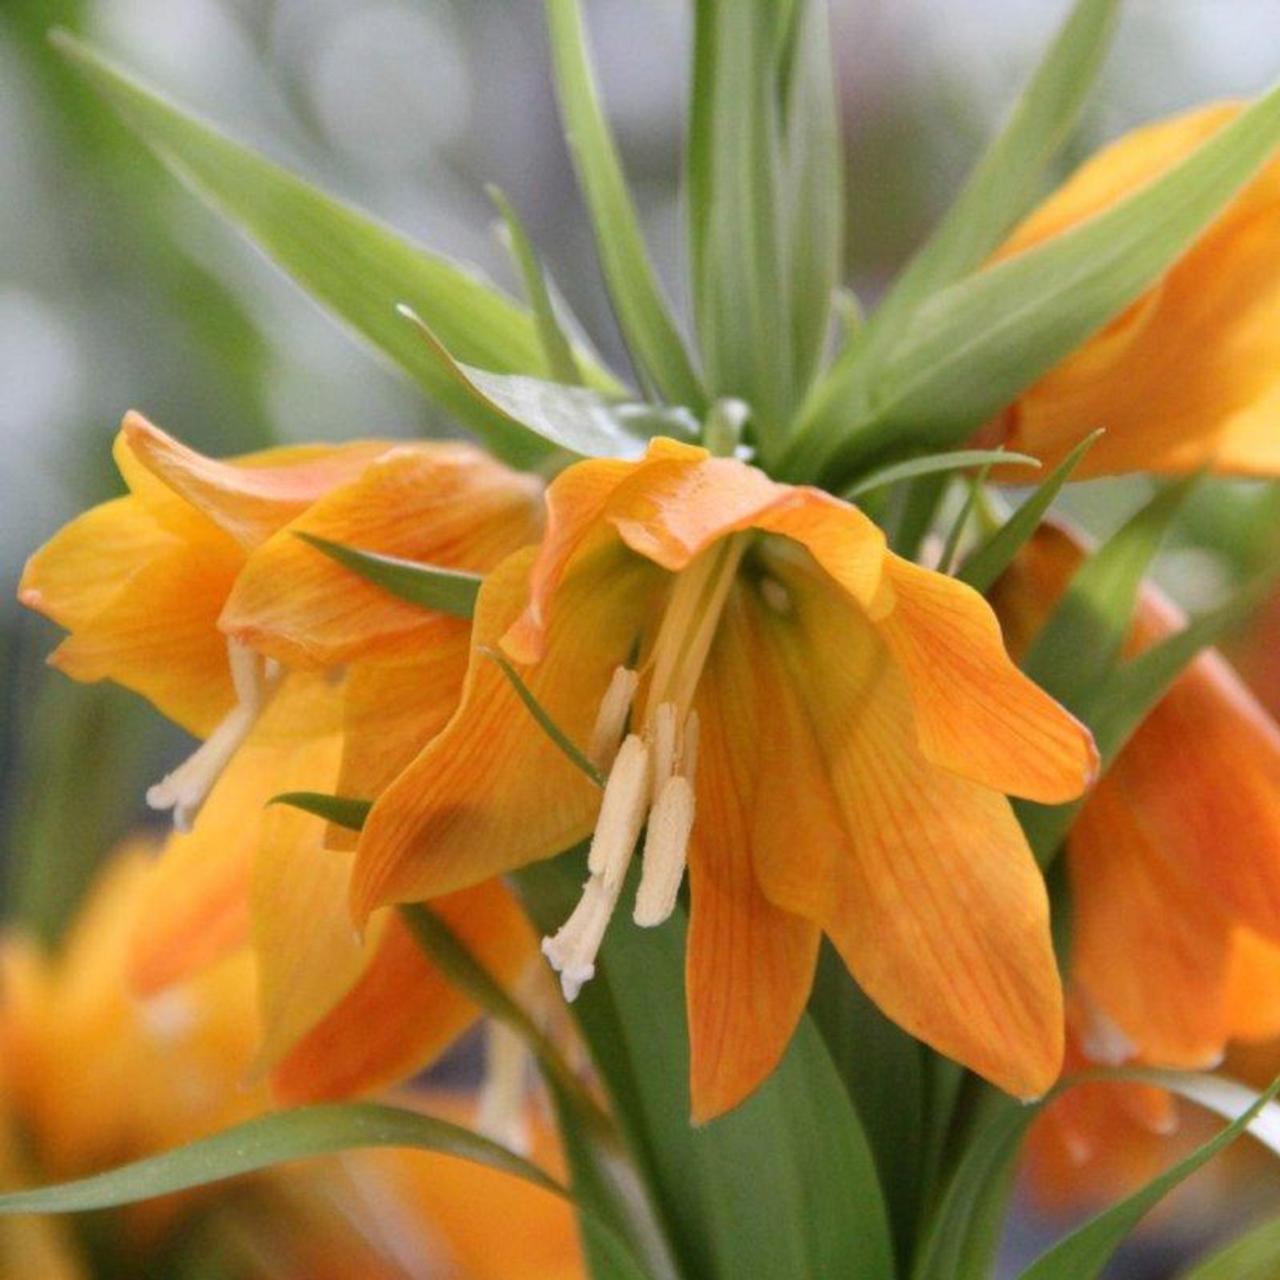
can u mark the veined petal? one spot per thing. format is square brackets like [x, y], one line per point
[975, 712]
[750, 963]
[1149, 948]
[1190, 373]
[85, 565]
[402, 1013]
[937, 907]
[254, 495]
[492, 791]
[158, 635]
[447, 505]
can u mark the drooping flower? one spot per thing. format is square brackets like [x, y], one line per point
[827, 730]
[177, 589]
[1174, 860]
[1188, 375]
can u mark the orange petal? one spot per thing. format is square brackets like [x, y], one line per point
[975, 712]
[934, 899]
[492, 791]
[749, 964]
[1147, 945]
[402, 1013]
[1190, 373]
[440, 504]
[158, 635]
[1203, 772]
[1253, 988]
[256, 494]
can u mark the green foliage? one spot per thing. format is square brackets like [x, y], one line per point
[342, 811]
[935, 464]
[1254, 1256]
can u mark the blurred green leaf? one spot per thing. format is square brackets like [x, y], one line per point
[997, 553]
[738, 262]
[1253, 1256]
[578, 419]
[1083, 1254]
[642, 311]
[795, 1147]
[935, 463]
[973, 347]
[357, 267]
[342, 811]
[561, 365]
[451, 591]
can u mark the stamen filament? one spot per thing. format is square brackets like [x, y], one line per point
[501, 1111]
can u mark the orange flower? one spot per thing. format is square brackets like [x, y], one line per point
[1174, 860]
[844, 723]
[1189, 374]
[174, 590]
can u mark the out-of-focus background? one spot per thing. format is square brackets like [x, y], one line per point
[118, 290]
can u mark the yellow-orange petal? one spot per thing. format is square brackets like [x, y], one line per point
[492, 791]
[750, 963]
[401, 1013]
[84, 566]
[440, 504]
[936, 904]
[1148, 946]
[1187, 375]
[158, 635]
[252, 496]
[975, 712]
[1253, 988]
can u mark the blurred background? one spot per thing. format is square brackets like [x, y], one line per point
[118, 290]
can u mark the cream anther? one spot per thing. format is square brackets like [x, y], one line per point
[665, 851]
[611, 719]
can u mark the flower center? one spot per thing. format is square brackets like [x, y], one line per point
[651, 771]
[185, 789]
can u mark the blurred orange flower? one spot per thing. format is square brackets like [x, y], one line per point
[857, 723]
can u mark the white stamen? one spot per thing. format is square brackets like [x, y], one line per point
[775, 595]
[662, 736]
[501, 1114]
[688, 762]
[665, 848]
[572, 952]
[612, 718]
[187, 787]
[621, 811]
[1101, 1039]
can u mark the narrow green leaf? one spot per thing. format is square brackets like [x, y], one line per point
[643, 314]
[578, 419]
[738, 263]
[796, 1146]
[451, 591]
[343, 811]
[1079, 645]
[919, 508]
[1004, 184]
[352, 264]
[561, 365]
[951, 547]
[1083, 1254]
[1253, 1256]
[935, 463]
[812, 186]
[270, 1140]
[995, 555]
[548, 726]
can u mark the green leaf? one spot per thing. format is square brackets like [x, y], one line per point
[343, 811]
[548, 726]
[642, 311]
[936, 463]
[352, 264]
[795, 1147]
[451, 591]
[973, 347]
[951, 548]
[561, 364]
[1004, 184]
[995, 555]
[1254, 1256]
[1083, 1253]
[738, 263]
[578, 419]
